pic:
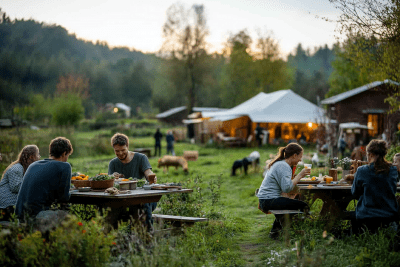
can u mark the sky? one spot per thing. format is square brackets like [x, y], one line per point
[137, 24]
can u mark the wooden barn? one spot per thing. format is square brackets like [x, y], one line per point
[364, 106]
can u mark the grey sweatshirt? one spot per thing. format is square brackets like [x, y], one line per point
[277, 180]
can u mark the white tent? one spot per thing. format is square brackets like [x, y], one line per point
[277, 107]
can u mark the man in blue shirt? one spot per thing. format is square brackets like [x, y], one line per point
[46, 182]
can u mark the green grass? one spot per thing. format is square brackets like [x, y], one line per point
[237, 234]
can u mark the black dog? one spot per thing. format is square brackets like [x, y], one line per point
[238, 164]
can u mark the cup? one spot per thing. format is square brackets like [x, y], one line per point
[151, 178]
[329, 179]
[307, 166]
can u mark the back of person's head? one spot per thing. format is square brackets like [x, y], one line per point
[60, 145]
[379, 149]
[25, 157]
[286, 152]
[120, 139]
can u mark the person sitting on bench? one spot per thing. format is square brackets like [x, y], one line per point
[279, 179]
[238, 164]
[375, 187]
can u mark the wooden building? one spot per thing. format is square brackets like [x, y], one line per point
[366, 106]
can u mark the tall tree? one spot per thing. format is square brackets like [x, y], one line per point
[373, 28]
[185, 32]
[239, 82]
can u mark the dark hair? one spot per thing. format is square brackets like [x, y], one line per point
[379, 149]
[119, 139]
[286, 152]
[24, 158]
[58, 146]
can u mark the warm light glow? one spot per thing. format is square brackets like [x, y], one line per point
[310, 124]
[115, 110]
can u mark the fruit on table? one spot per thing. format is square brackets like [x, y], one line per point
[79, 176]
[313, 178]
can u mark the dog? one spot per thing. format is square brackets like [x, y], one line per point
[238, 164]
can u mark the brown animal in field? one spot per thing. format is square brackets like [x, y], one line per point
[191, 155]
[176, 161]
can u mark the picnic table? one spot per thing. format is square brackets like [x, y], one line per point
[133, 199]
[335, 198]
[146, 151]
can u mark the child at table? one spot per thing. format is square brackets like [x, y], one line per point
[278, 179]
[375, 186]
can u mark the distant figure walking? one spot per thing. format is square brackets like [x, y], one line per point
[259, 133]
[170, 143]
[157, 137]
[342, 145]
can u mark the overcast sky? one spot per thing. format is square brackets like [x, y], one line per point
[138, 23]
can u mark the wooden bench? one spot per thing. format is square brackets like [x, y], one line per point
[177, 221]
[9, 224]
[279, 212]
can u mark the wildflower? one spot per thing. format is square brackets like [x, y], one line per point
[83, 231]
[324, 234]
[44, 240]
[80, 224]
[114, 243]
[217, 241]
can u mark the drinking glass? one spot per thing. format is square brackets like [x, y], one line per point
[307, 166]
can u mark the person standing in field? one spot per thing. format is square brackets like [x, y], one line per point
[157, 136]
[131, 164]
[259, 133]
[46, 182]
[12, 178]
[170, 143]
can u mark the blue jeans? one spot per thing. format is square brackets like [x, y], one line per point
[149, 208]
[281, 203]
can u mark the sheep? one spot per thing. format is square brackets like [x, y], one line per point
[176, 161]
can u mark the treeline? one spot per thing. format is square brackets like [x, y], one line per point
[35, 58]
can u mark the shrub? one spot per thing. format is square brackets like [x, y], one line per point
[67, 110]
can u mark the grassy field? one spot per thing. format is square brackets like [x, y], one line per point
[237, 233]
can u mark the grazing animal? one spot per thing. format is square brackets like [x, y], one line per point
[176, 161]
[238, 164]
[315, 159]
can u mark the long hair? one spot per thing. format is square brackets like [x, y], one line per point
[379, 149]
[286, 152]
[24, 158]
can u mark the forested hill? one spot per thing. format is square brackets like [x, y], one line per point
[32, 38]
[33, 56]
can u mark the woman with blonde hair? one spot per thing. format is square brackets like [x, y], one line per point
[12, 179]
[375, 186]
[278, 180]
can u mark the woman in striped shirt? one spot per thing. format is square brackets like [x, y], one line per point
[12, 179]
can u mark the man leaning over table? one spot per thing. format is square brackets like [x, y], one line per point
[46, 182]
[131, 164]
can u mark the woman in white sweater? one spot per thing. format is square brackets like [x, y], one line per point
[278, 180]
[12, 179]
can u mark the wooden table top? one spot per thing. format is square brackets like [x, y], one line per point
[328, 187]
[137, 193]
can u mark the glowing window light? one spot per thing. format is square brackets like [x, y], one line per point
[309, 124]
[115, 110]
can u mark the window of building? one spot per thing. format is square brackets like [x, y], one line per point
[376, 121]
